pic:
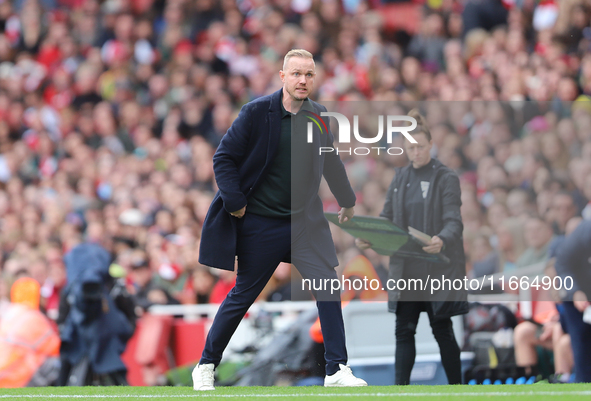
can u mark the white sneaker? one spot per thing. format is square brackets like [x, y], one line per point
[343, 378]
[203, 377]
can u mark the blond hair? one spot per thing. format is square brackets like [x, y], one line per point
[422, 127]
[296, 53]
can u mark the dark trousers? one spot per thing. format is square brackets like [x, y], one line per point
[580, 339]
[262, 244]
[407, 318]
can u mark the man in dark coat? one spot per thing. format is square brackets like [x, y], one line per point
[263, 214]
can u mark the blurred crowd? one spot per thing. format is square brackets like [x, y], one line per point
[110, 112]
[524, 171]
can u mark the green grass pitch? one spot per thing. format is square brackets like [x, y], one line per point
[554, 392]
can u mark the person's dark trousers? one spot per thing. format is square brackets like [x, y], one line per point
[262, 244]
[580, 339]
[407, 318]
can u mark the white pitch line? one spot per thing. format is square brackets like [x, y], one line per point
[471, 394]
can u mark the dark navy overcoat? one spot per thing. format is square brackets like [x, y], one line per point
[240, 163]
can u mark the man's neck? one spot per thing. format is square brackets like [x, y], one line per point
[291, 105]
[421, 166]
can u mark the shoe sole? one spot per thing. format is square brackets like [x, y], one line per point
[204, 388]
[342, 385]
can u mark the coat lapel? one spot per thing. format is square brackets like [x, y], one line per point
[274, 123]
[399, 195]
[317, 141]
[428, 212]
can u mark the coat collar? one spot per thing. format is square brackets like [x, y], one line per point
[275, 105]
[274, 121]
[436, 166]
[277, 97]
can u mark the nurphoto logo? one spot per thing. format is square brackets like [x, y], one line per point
[344, 134]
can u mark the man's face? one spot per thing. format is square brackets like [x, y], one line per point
[419, 153]
[298, 77]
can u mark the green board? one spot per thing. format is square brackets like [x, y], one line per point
[386, 237]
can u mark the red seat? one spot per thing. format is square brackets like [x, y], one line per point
[188, 341]
[148, 352]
